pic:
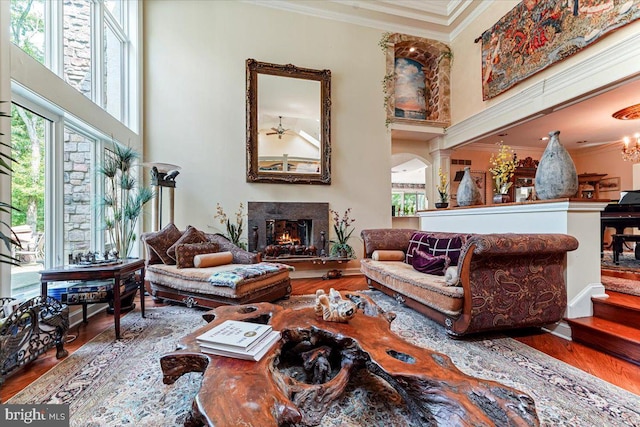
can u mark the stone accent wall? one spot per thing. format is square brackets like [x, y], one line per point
[78, 193]
[77, 45]
[78, 150]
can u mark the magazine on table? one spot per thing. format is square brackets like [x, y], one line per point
[254, 352]
[234, 335]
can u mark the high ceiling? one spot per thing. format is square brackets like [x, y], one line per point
[588, 120]
[434, 19]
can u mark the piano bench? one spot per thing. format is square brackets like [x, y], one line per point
[617, 244]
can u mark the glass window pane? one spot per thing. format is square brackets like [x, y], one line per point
[28, 27]
[78, 193]
[113, 54]
[27, 194]
[77, 45]
[115, 8]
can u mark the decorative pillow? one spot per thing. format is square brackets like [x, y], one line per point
[451, 276]
[381, 255]
[186, 252]
[190, 235]
[424, 262]
[212, 260]
[418, 241]
[160, 241]
[450, 247]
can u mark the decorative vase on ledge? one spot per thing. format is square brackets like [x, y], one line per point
[501, 198]
[468, 193]
[556, 176]
[442, 205]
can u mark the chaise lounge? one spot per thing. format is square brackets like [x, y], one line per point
[494, 282]
[207, 270]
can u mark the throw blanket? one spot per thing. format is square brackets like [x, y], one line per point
[240, 274]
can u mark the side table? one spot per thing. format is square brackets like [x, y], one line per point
[119, 272]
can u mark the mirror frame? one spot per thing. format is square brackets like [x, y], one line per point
[254, 68]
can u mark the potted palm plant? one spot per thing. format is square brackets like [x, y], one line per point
[122, 200]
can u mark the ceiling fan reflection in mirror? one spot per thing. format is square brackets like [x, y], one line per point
[279, 130]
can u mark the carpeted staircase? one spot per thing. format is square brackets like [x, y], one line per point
[614, 327]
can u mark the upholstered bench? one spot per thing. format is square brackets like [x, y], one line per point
[241, 280]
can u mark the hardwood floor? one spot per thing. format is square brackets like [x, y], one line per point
[616, 371]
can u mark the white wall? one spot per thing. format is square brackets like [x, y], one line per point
[195, 54]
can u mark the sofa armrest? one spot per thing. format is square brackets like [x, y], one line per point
[521, 244]
[393, 239]
[512, 280]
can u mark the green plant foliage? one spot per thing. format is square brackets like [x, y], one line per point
[343, 230]
[122, 201]
[233, 231]
[27, 25]
[5, 169]
[27, 185]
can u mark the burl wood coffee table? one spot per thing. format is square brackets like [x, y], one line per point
[300, 377]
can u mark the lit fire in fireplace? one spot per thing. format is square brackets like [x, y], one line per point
[286, 239]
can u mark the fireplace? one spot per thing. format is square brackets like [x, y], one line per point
[287, 228]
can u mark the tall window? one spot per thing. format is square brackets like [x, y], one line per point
[113, 76]
[29, 135]
[28, 27]
[90, 47]
[79, 193]
[57, 143]
[78, 70]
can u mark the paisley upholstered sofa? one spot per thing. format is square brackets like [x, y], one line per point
[174, 274]
[497, 281]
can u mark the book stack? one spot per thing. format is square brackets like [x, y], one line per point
[242, 340]
[90, 291]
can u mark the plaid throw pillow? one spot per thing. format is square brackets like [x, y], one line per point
[450, 247]
[418, 241]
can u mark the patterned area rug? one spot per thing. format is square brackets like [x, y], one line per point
[114, 383]
[619, 284]
[626, 262]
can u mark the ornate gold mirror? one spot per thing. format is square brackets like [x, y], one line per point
[288, 124]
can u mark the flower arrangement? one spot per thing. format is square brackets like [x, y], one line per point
[234, 231]
[443, 186]
[343, 230]
[503, 166]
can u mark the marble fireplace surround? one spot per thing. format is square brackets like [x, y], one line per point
[259, 212]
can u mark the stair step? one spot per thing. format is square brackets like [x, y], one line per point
[610, 337]
[621, 308]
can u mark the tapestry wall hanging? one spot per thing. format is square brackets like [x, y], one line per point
[537, 33]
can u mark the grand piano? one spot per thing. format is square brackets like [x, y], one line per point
[621, 215]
